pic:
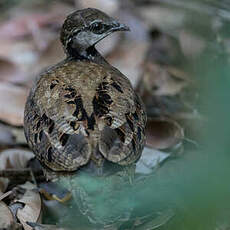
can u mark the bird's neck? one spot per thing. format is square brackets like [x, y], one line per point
[90, 54]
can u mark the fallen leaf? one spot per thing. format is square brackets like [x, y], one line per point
[107, 6]
[150, 159]
[131, 17]
[163, 73]
[163, 80]
[12, 103]
[31, 212]
[20, 52]
[6, 136]
[11, 136]
[16, 27]
[53, 54]
[125, 59]
[14, 158]
[20, 26]
[6, 217]
[167, 19]
[163, 133]
[10, 72]
[36, 26]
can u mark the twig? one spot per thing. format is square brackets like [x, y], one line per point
[3, 196]
[19, 173]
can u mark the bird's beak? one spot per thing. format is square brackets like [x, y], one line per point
[120, 27]
[116, 26]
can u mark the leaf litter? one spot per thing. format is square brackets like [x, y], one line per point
[155, 63]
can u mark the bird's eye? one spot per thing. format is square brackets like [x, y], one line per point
[97, 28]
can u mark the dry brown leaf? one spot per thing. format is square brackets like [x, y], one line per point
[39, 23]
[12, 102]
[31, 212]
[165, 18]
[6, 136]
[16, 27]
[53, 54]
[12, 158]
[20, 26]
[21, 52]
[107, 6]
[163, 81]
[15, 158]
[125, 59]
[10, 72]
[163, 133]
[6, 217]
[11, 135]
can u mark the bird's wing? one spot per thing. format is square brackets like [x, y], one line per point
[122, 139]
[52, 128]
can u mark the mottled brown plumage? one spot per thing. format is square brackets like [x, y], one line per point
[84, 109]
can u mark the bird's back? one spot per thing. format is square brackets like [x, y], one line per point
[79, 106]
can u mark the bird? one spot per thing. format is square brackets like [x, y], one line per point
[83, 109]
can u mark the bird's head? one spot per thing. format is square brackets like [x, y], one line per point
[84, 28]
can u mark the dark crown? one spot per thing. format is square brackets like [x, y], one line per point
[89, 19]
